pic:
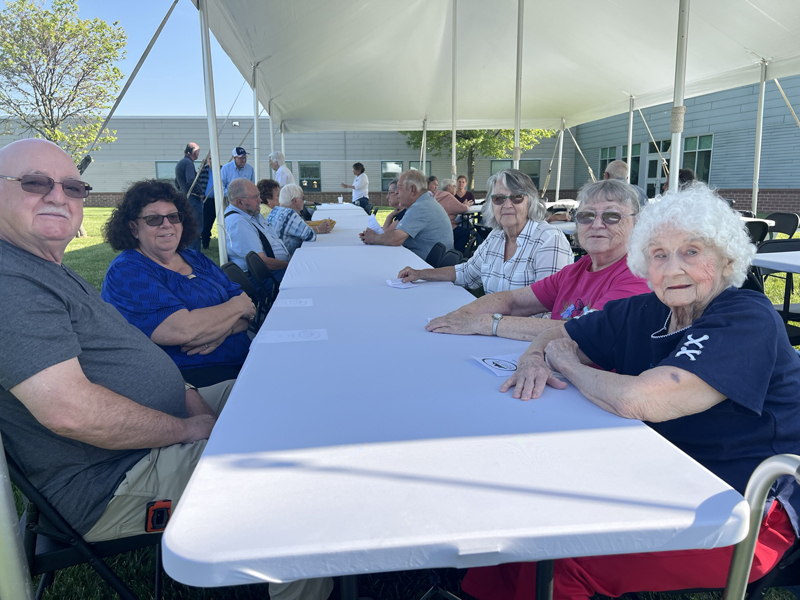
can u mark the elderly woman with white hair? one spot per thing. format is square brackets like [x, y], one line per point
[706, 365]
[283, 175]
[521, 249]
[286, 219]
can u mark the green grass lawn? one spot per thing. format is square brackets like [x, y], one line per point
[90, 257]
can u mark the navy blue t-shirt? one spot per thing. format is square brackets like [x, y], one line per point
[147, 293]
[739, 347]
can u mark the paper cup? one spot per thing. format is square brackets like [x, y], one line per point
[340, 199]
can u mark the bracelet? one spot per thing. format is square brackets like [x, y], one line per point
[189, 386]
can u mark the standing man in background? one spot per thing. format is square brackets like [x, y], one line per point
[185, 174]
[282, 173]
[236, 169]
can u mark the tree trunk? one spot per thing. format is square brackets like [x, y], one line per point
[471, 168]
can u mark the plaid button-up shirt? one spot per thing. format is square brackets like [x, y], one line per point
[542, 250]
[291, 228]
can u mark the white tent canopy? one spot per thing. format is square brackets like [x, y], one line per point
[369, 65]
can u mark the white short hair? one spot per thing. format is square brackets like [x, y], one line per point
[515, 182]
[703, 215]
[288, 193]
[277, 157]
[446, 183]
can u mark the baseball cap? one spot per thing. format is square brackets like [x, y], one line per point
[239, 151]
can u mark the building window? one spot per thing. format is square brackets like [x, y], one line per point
[389, 170]
[635, 161]
[310, 175]
[528, 166]
[165, 169]
[414, 164]
[697, 155]
[607, 155]
[655, 169]
[288, 164]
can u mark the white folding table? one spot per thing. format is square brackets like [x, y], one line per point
[788, 262]
[370, 445]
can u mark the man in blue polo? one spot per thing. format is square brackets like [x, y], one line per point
[236, 169]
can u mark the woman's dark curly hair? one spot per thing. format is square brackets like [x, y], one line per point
[117, 230]
[265, 188]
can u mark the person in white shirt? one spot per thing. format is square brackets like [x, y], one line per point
[360, 185]
[282, 174]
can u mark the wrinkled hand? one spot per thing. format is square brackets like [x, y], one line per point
[206, 348]
[531, 376]
[368, 236]
[245, 305]
[458, 323]
[561, 353]
[469, 202]
[198, 428]
[408, 274]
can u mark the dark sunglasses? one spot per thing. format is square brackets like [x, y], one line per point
[42, 184]
[609, 218]
[500, 199]
[156, 220]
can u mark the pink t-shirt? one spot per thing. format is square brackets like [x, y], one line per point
[575, 290]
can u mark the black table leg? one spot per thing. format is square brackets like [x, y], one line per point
[544, 580]
[348, 587]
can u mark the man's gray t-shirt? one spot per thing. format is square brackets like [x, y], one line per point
[53, 315]
[426, 223]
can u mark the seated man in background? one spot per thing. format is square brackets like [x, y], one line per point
[424, 224]
[97, 416]
[248, 231]
[393, 218]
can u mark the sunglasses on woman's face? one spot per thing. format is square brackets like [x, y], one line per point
[500, 199]
[156, 220]
[609, 218]
[42, 184]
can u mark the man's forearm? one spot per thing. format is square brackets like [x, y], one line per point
[391, 238]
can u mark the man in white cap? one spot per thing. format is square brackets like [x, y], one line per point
[236, 169]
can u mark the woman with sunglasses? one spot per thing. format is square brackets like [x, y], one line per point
[521, 249]
[607, 211]
[179, 298]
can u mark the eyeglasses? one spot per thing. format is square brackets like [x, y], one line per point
[42, 184]
[500, 199]
[609, 218]
[156, 220]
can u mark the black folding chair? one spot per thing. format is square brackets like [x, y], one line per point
[788, 311]
[264, 276]
[51, 544]
[436, 254]
[786, 223]
[757, 230]
[450, 259]
[259, 298]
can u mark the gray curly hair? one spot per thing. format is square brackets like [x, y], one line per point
[703, 215]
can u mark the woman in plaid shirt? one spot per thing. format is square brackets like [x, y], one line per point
[521, 249]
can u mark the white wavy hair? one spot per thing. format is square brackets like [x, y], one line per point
[704, 216]
[277, 157]
[515, 182]
[288, 193]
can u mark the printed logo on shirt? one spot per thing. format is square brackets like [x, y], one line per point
[692, 353]
[576, 310]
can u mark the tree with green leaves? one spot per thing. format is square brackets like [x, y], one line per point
[495, 143]
[58, 73]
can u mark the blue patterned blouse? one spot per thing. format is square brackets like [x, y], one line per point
[147, 293]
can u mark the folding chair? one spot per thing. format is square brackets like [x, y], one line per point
[50, 543]
[758, 231]
[264, 276]
[259, 298]
[436, 254]
[786, 223]
[450, 259]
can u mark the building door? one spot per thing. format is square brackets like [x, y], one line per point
[655, 171]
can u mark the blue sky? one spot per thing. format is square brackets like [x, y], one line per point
[171, 80]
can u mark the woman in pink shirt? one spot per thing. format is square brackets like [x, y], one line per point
[607, 211]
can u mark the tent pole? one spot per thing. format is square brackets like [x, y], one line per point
[518, 95]
[678, 109]
[423, 161]
[453, 166]
[211, 111]
[256, 157]
[759, 131]
[560, 153]
[283, 142]
[630, 140]
[788, 104]
[16, 580]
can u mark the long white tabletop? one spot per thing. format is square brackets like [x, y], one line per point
[369, 444]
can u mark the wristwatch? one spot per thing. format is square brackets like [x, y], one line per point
[495, 321]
